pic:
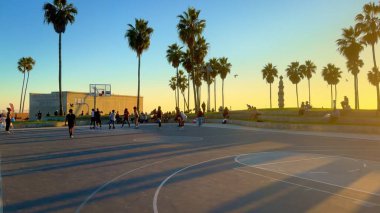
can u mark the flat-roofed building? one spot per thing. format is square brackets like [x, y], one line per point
[80, 101]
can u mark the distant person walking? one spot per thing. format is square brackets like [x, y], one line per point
[92, 124]
[8, 121]
[112, 119]
[136, 117]
[126, 118]
[70, 120]
[200, 117]
[159, 116]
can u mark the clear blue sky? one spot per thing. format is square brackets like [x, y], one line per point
[250, 33]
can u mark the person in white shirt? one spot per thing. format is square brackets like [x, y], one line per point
[112, 119]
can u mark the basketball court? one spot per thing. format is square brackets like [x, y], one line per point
[213, 168]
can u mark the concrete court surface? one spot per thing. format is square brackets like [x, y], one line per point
[213, 168]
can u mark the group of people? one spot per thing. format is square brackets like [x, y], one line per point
[304, 108]
[96, 120]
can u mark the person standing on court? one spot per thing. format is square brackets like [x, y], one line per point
[70, 120]
[126, 118]
[159, 116]
[112, 120]
[8, 121]
[98, 118]
[92, 124]
[136, 117]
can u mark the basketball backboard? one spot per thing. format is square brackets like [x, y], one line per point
[100, 90]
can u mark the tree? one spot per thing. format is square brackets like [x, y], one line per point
[139, 41]
[224, 69]
[174, 55]
[214, 63]
[173, 85]
[25, 64]
[294, 73]
[269, 73]
[350, 47]
[183, 85]
[331, 74]
[59, 14]
[187, 64]
[368, 24]
[374, 78]
[307, 70]
[206, 76]
[189, 28]
[200, 52]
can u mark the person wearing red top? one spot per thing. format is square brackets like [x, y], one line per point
[126, 118]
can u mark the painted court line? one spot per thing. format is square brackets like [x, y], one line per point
[369, 204]
[317, 181]
[114, 179]
[155, 198]
[289, 161]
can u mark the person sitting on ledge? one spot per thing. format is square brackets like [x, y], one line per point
[301, 111]
[345, 104]
[255, 114]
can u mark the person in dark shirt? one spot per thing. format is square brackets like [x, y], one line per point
[70, 120]
[8, 120]
[159, 116]
[126, 118]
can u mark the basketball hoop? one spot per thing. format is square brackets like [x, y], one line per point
[99, 90]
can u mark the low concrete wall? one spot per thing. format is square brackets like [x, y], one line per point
[304, 127]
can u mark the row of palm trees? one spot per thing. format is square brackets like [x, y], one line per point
[366, 32]
[190, 29]
[25, 66]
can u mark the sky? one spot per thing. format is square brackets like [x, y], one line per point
[250, 33]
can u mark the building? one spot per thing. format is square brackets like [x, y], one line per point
[80, 101]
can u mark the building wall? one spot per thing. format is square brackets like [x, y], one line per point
[49, 103]
[45, 103]
[85, 102]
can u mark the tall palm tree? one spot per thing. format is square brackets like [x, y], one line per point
[206, 76]
[214, 63]
[350, 47]
[188, 65]
[294, 73]
[368, 23]
[173, 85]
[374, 78]
[60, 13]
[307, 70]
[139, 41]
[200, 52]
[189, 28]
[31, 63]
[183, 85]
[331, 74]
[173, 55]
[224, 69]
[269, 73]
[24, 65]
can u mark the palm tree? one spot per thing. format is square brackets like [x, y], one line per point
[331, 74]
[183, 85]
[350, 47]
[174, 54]
[224, 69]
[139, 40]
[368, 24]
[59, 14]
[214, 63]
[307, 70]
[294, 73]
[200, 52]
[269, 73]
[173, 85]
[206, 76]
[24, 65]
[189, 28]
[188, 65]
[374, 78]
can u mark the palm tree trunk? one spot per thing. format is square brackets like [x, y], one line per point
[22, 91]
[208, 98]
[26, 88]
[356, 89]
[175, 98]
[308, 83]
[357, 92]
[60, 76]
[336, 94]
[297, 95]
[184, 102]
[195, 93]
[331, 93]
[270, 95]
[177, 91]
[188, 92]
[377, 85]
[215, 95]
[138, 86]
[223, 93]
